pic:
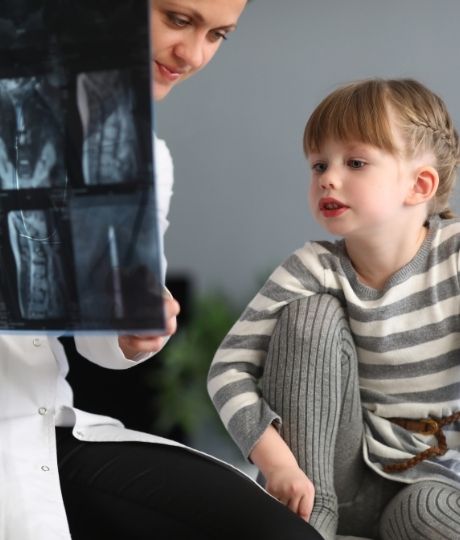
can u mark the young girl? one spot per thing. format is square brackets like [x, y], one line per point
[355, 425]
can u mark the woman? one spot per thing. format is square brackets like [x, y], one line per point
[67, 473]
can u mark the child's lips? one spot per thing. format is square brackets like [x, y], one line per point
[330, 207]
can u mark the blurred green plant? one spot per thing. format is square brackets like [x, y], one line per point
[180, 384]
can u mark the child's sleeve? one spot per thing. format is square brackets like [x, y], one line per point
[237, 367]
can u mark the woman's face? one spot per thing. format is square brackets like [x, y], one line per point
[186, 35]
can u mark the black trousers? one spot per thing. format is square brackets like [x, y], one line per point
[134, 491]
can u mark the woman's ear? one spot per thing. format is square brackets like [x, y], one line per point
[424, 187]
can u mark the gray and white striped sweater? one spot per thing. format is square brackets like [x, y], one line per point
[407, 337]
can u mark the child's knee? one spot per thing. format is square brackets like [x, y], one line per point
[427, 509]
[315, 313]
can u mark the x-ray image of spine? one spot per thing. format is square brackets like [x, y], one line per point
[41, 284]
[110, 141]
[31, 134]
[31, 157]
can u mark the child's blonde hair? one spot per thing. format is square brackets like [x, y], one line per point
[360, 112]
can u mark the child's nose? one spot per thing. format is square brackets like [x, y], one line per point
[329, 179]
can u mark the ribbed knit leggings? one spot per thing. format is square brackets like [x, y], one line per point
[311, 381]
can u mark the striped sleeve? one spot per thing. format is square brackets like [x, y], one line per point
[237, 367]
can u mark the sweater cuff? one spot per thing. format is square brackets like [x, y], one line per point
[248, 425]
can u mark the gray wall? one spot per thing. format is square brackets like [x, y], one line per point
[235, 130]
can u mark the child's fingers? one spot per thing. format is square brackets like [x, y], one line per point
[300, 506]
[293, 504]
[305, 507]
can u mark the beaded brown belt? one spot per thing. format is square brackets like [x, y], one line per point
[425, 426]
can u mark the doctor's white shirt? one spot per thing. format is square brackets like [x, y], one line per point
[35, 397]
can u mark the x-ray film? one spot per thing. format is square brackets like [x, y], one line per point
[79, 246]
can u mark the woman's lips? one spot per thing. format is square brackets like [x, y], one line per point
[331, 207]
[168, 73]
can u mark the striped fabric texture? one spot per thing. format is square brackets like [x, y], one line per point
[407, 337]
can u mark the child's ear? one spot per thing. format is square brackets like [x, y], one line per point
[424, 187]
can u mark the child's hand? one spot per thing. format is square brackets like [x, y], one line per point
[136, 344]
[285, 480]
[291, 486]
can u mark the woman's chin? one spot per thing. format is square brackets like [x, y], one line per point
[160, 91]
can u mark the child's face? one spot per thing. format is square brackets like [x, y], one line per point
[186, 35]
[357, 189]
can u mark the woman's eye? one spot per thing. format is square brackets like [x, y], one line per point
[178, 20]
[220, 34]
[356, 163]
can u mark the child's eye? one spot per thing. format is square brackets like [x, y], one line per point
[319, 167]
[356, 163]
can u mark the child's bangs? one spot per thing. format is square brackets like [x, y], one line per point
[355, 113]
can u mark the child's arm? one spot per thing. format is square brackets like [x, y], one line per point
[238, 365]
[284, 478]
[234, 378]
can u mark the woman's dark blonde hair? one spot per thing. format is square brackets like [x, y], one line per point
[359, 112]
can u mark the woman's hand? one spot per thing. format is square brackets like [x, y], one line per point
[132, 345]
[291, 486]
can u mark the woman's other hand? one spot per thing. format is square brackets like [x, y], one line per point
[133, 345]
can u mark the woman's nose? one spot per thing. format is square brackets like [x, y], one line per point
[192, 51]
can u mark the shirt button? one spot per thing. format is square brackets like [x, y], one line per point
[37, 342]
[45, 468]
[42, 411]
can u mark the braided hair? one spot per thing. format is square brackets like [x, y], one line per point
[427, 127]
